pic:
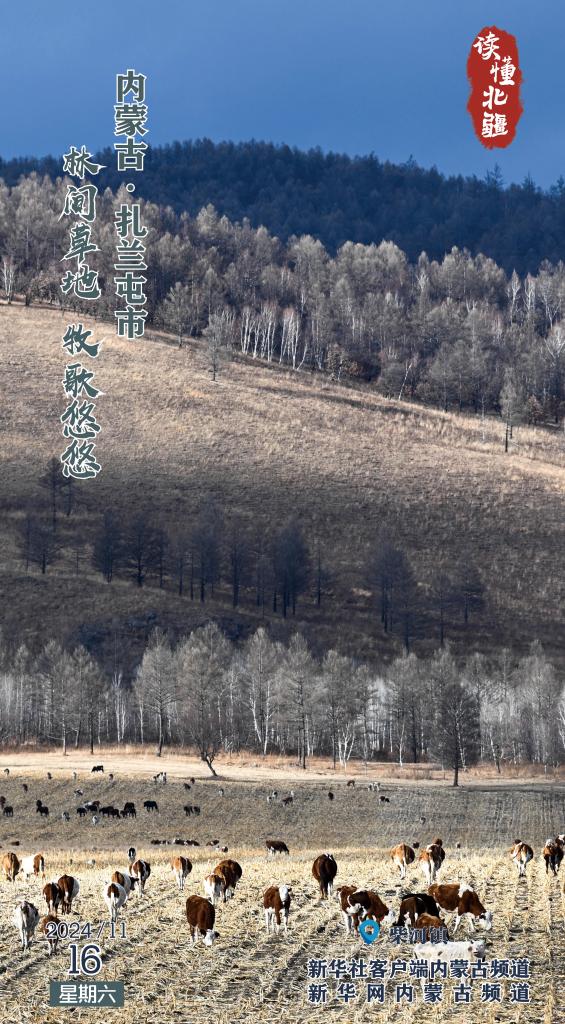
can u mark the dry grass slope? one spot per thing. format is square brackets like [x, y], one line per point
[268, 443]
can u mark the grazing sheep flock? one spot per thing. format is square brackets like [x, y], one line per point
[280, 897]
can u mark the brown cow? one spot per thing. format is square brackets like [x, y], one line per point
[53, 896]
[521, 854]
[402, 855]
[460, 899]
[11, 866]
[181, 867]
[201, 916]
[49, 927]
[426, 922]
[70, 888]
[276, 901]
[324, 870]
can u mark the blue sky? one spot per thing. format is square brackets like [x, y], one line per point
[355, 76]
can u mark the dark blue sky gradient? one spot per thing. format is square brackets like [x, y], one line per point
[354, 76]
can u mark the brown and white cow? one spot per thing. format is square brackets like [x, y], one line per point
[276, 846]
[140, 871]
[460, 899]
[553, 855]
[70, 888]
[49, 927]
[201, 917]
[276, 901]
[431, 858]
[25, 919]
[413, 905]
[214, 887]
[366, 903]
[402, 855]
[114, 896]
[324, 870]
[351, 921]
[34, 865]
[124, 879]
[230, 871]
[521, 854]
[181, 867]
[53, 896]
[11, 866]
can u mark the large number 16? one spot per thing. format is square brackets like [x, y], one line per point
[86, 960]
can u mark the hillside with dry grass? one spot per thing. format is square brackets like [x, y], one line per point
[267, 444]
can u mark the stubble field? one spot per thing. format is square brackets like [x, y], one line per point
[247, 976]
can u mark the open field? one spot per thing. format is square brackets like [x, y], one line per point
[134, 760]
[265, 444]
[247, 976]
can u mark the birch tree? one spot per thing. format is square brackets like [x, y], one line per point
[156, 684]
[202, 662]
[259, 669]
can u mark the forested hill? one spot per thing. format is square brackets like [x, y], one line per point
[338, 198]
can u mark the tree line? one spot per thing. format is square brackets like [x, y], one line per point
[457, 331]
[338, 198]
[268, 569]
[216, 696]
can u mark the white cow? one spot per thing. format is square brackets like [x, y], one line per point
[25, 919]
[33, 865]
[447, 951]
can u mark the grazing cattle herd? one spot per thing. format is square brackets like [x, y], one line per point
[440, 906]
